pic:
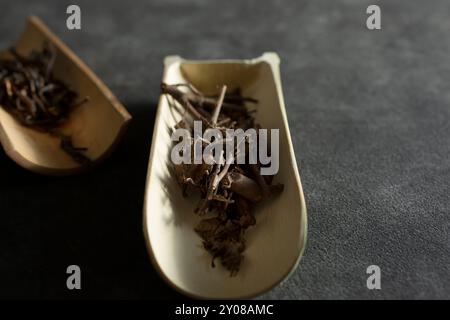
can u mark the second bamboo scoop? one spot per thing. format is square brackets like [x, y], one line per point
[96, 125]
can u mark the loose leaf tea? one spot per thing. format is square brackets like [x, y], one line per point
[30, 92]
[229, 190]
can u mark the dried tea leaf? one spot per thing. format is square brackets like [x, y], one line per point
[228, 190]
[245, 187]
[29, 92]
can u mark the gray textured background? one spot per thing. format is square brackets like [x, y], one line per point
[369, 116]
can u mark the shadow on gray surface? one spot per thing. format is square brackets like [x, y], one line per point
[93, 220]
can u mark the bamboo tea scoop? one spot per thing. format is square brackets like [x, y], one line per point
[276, 243]
[97, 124]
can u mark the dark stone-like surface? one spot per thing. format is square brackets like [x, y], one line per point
[369, 115]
